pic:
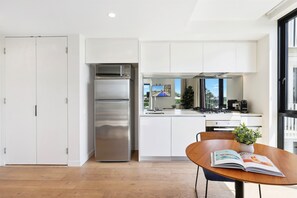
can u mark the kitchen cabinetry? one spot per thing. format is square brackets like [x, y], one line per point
[155, 137]
[36, 96]
[155, 57]
[219, 57]
[20, 121]
[246, 57]
[196, 57]
[252, 121]
[184, 130]
[186, 57]
[111, 50]
[237, 57]
[167, 136]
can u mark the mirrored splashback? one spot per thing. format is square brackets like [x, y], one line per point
[163, 93]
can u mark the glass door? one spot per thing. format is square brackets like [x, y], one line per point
[287, 82]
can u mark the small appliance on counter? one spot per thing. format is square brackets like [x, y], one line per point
[233, 105]
[243, 106]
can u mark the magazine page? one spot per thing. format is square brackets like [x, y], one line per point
[227, 158]
[259, 164]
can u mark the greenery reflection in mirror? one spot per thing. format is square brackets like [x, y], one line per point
[166, 93]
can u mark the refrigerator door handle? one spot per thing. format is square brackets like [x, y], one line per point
[121, 70]
[111, 100]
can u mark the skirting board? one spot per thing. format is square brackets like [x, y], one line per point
[78, 163]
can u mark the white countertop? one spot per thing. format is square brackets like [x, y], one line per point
[192, 113]
[173, 113]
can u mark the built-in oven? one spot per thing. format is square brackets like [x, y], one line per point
[221, 125]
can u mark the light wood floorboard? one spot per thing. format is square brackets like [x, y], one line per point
[117, 180]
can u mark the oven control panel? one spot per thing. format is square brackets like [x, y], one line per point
[222, 123]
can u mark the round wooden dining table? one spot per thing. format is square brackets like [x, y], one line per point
[199, 153]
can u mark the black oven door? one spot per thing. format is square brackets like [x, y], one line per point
[219, 129]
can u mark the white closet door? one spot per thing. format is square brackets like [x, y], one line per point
[20, 86]
[51, 104]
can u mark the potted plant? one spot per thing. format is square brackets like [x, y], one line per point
[188, 98]
[246, 137]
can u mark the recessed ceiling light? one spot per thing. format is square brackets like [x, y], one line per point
[112, 15]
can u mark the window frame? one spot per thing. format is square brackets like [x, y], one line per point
[220, 94]
[282, 75]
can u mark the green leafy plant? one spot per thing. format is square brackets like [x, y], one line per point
[188, 98]
[245, 135]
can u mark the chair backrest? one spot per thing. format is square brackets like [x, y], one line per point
[215, 135]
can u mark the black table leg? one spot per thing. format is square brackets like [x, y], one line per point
[239, 189]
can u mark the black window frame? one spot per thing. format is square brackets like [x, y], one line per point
[283, 76]
[221, 93]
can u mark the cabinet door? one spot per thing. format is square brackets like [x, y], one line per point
[154, 57]
[155, 136]
[219, 57]
[252, 121]
[51, 100]
[184, 130]
[186, 57]
[20, 85]
[111, 50]
[246, 57]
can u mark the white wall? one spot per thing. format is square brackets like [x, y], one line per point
[80, 131]
[260, 89]
[235, 88]
[86, 101]
[73, 101]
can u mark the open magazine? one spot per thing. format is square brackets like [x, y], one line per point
[246, 161]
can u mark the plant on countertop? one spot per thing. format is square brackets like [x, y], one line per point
[188, 98]
[245, 135]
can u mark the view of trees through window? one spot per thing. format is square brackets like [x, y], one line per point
[212, 93]
[146, 97]
[215, 93]
[177, 83]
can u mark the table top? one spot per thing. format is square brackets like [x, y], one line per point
[199, 153]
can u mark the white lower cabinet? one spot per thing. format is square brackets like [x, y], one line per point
[184, 130]
[252, 121]
[155, 137]
[167, 136]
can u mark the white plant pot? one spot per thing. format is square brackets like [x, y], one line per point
[246, 148]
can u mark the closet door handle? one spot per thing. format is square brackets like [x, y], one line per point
[35, 110]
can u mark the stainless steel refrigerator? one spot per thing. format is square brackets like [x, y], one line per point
[113, 118]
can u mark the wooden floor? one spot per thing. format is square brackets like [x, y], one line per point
[127, 179]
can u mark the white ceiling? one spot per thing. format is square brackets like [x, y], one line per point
[232, 10]
[144, 19]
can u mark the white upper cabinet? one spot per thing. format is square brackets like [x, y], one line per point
[186, 57]
[196, 57]
[155, 57]
[246, 57]
[219, 56]
[111, 50]
[237, 57]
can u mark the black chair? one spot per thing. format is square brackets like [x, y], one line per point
[210, 176]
